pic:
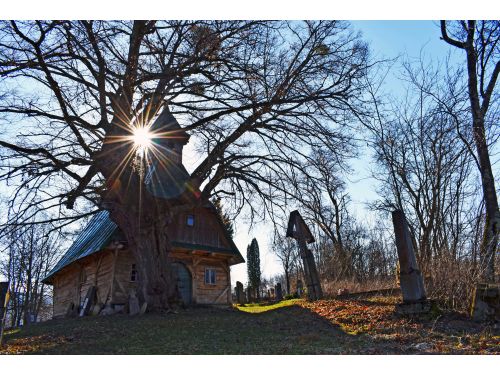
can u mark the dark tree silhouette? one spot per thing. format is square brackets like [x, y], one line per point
[253, 266]
[255, 97]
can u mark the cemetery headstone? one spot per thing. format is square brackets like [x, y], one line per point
[411, 281]
[240, 295]
[278, 292]
[250, 294]
[486, 303]
[300, 288]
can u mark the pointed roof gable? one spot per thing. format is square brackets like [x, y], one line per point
[166, 177]
[166, 126]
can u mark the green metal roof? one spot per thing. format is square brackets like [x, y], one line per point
[92, 239]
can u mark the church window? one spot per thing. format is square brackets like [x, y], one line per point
[210, 276]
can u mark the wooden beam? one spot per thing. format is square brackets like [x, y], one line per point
[299, 230]
[220, 295]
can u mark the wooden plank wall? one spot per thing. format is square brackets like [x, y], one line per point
[71, 286]
[212, 294]
[65, 286]
[72, 283]
[196, 264]
[122, 284]
[206, 230]
[98, 273]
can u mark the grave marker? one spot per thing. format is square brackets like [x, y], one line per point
[278, 292]
[299, 230]
[410, 278]
[240, 295]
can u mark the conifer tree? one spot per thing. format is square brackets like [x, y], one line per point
[253, 266]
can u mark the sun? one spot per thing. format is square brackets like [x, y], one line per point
[142, 137]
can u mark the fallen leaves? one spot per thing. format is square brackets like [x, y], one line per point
[376, 321]
[31, 344]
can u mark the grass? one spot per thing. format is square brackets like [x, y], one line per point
[287, 327]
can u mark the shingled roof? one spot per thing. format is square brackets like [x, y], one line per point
[166, 181]
[166, 177]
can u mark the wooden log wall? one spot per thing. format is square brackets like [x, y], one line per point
[212, 294]
[110, 271]
[72, 284]
[65, 285]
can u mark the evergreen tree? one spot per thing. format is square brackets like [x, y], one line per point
[253, 265]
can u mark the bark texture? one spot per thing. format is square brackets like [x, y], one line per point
[476, 44]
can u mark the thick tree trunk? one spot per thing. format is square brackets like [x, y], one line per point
[151, 253]
[146, 233]
[489, 242]
[492, 224]
[144, 220]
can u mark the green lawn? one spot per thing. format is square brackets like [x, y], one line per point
[284, 328]
[289, 327]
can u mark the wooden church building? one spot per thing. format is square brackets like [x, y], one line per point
[202, 249]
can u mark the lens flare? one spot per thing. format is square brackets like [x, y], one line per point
[142, 138]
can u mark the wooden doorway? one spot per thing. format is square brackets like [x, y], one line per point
[184, 282]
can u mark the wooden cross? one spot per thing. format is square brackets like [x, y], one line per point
[298, 229]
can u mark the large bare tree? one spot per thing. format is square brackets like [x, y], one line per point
[480, 40]
[255, 97]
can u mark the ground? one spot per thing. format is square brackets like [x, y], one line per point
[290, 327]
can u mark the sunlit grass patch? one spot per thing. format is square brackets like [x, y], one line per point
[257, 308]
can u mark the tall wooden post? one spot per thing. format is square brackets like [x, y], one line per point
[4, 300]
[298, 229]
[410, 277]
[415, 301]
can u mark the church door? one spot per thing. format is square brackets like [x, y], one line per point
[184, 281]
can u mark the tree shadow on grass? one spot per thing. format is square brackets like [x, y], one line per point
[292, 329]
